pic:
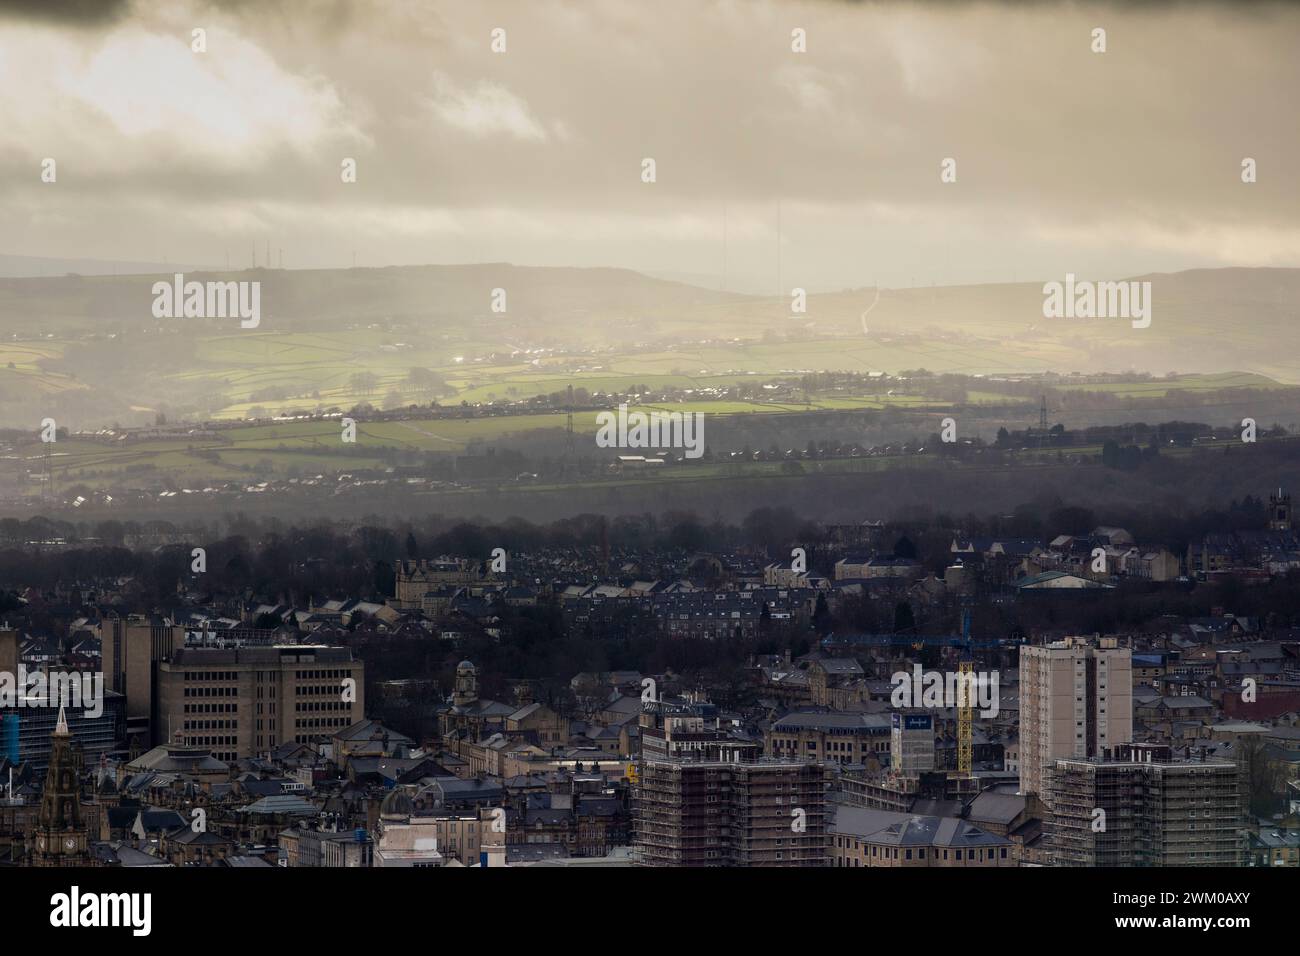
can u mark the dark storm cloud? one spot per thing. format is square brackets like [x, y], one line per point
[73, 13]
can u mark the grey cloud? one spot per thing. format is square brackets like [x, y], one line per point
[1137, 146]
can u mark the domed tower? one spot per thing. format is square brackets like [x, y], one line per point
[466, 691]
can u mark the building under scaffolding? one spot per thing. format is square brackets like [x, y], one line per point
[1139, 806]
[702, 797]
[727, 813]
[903, 794]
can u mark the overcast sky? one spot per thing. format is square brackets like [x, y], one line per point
[1104, 165]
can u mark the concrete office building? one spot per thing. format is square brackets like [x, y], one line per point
[241, 702]
[27, 726]
[132, 647]
[25, 732]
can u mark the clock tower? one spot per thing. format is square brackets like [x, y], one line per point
[59, 837]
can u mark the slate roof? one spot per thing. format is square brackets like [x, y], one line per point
[285, 803]
[153, 819]
[366, 729]
[840, 666]
[908, 830]
[123, 854]
[993, 807]
[832, 720]
[190, 838]
[525, 711]
[168, 757]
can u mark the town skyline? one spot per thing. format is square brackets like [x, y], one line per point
[716, 437]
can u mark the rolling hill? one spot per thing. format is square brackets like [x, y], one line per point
[88, 351]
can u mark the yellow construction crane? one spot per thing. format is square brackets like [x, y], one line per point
[964, 747]
[965, 679]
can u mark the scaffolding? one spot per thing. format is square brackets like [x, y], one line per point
[718, 813]
[1166, 813]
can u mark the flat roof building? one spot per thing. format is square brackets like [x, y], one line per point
[241, 702]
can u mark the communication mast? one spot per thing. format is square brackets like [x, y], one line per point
[47, 474]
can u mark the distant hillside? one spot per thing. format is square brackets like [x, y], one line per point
[14, 267]
[574, 303]
[88, 349]
[1205, 320]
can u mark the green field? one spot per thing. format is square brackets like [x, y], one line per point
[315, 447]
[317, 372]
[1183, 384]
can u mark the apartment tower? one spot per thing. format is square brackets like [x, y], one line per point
[1076, 700]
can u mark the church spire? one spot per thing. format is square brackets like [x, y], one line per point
[59, 833]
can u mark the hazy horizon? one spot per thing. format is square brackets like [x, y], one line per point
[102, 268]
